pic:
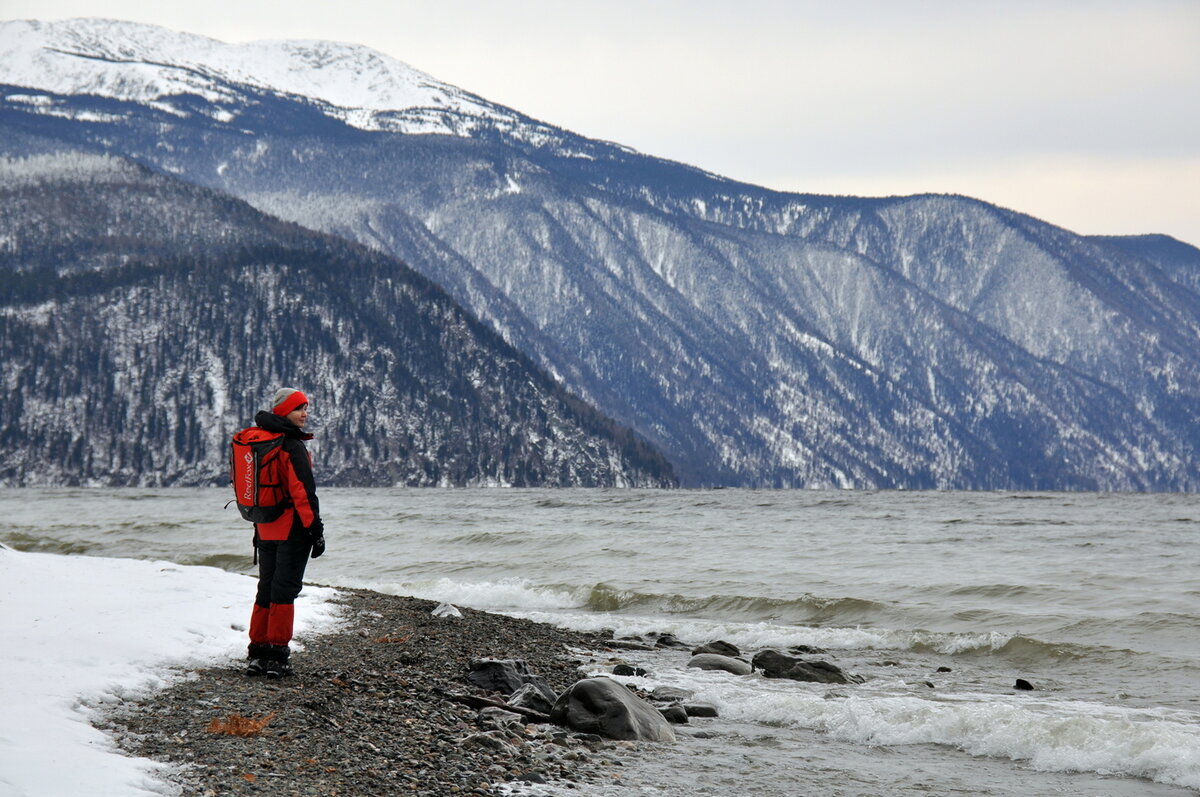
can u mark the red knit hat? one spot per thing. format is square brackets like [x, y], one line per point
[287, 399]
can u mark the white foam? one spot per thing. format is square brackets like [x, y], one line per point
[1048, 733]
[760, 635]
[509, 595]
[565, 606]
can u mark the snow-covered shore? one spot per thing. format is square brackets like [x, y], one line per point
[79, 633]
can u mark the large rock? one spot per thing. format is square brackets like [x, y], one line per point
[720, 647]
[506, 676]
[700, 709]
[534, 698]
[606, 708]
[447, 610]
[629, 670]
[628, 644]
[670, 641]
[774, 664]
[713, 661]
[670, 694]
[676, 715]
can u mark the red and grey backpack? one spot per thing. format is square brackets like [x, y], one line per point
[255, 474]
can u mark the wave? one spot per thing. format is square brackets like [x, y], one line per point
[1177, 622]
[1000, 591]
[491, 539]
[806, 608]
[1049, 734]
[1018, 651]
[604, 599]
[848, 623]
[508, 595]
[155, 525]
[233, 563]
[1021, 650]
[751, 623]
[31, 543]
[1166, 632]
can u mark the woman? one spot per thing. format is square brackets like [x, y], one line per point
[285, 544]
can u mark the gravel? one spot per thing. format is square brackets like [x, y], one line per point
[373, 709]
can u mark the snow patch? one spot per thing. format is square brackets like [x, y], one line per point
[111, 630]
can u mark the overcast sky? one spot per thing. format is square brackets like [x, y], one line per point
[1085, 113]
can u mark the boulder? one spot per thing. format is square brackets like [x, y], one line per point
[606, 708]
[700, 709]
[628, 644]
[670, 694]
[676, 715]
[532, 697]
[629, 670]
[713, 661]
[447, 610]
[774, 664]
[669, 641]
[720, 648]
[506, 676]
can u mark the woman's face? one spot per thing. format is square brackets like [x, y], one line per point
[299, 416]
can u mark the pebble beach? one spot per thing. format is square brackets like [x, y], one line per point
[380, 706]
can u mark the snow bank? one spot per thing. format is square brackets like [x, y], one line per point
[80, 633]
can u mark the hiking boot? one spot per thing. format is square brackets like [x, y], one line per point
[257, 654]
[275, 661]
[278, 669]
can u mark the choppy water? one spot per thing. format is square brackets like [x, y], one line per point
[1093, 598]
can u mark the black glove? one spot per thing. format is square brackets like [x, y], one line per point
[317, 532]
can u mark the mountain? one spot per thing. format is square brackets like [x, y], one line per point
[145, 319]
[754, 337]
[1179, 261]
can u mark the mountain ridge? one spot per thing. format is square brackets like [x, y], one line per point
[756, 337]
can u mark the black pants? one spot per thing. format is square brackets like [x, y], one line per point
[281, 567]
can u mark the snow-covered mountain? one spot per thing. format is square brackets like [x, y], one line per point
[145, 64]
[755, 337]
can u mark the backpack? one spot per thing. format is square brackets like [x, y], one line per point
[254, 474]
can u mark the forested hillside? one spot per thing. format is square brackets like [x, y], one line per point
[144, 320]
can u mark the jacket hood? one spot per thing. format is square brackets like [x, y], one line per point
[274, 423]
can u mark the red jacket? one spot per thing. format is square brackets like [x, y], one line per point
[295, 468]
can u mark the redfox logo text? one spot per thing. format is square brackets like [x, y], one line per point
[248, 480]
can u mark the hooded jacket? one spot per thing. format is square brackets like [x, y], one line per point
[304, 511]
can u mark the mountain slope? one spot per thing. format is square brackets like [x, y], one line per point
[755, 337]
[1180, 261]
[144, 320]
